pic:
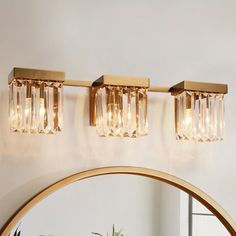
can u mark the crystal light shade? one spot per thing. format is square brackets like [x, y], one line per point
[121, 111]
[199, 116]
[35, 106]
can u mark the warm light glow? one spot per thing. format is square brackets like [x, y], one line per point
[199, 116]
[121, 111]
[188, 118]
[35, 106]
[42, 108]
[27, 107]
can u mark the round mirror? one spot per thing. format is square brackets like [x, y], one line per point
[123, 200]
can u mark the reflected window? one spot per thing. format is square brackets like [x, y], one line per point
[202, 222]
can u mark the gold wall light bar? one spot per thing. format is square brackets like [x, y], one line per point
[118, 104]
[199, 111]
[36, 100]
[88, 84]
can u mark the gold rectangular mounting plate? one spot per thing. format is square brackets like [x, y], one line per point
[199, 87]
[33, 74]
[122, 81]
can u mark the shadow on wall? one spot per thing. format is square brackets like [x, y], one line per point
[178, 153]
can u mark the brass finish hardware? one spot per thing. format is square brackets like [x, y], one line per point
[122, 81]
[159, 89]
[33, 74]
[92, 106]
[78, 83]
[199, 87]
[195, 192]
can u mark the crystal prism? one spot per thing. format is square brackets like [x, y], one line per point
[121, 111]
[199, 116]
[35, 106]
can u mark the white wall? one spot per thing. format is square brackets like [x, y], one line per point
[167, 40]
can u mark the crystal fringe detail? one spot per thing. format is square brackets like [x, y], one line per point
[199, 116]
[121, 111]
[35, 106]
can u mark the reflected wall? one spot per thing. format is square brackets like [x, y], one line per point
[135, 205]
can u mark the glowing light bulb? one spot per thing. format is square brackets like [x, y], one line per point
[207, 116]
[109, 116]
[129, 114]
[27, 107]
[188, 117]
[41, 108]
[27, 115]
[42, 112]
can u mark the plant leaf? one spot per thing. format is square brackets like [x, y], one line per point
[97, 234]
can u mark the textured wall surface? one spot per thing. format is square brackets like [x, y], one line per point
[168, 41]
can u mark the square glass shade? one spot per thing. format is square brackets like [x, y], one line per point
[35, 106]
[121, 111]
[199, 116]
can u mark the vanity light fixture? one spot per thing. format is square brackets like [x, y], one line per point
[118, 105]
[36, 101]
[199, 111]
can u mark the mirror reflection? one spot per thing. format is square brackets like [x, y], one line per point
[128, 205]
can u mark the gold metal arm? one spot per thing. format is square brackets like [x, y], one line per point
[89, 84]
[159, 89]
[78, 83]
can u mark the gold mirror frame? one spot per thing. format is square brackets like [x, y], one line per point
[202, 197]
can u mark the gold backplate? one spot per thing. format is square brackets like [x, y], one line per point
[122, 81]
[199, 87]
[34, 74]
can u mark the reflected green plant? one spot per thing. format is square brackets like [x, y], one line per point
[17, 232]
[114, 233]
